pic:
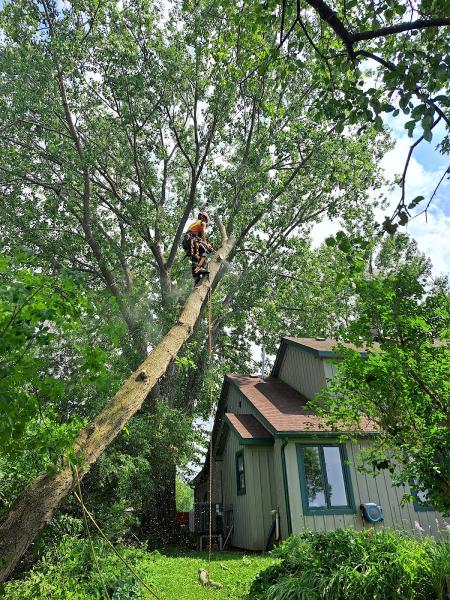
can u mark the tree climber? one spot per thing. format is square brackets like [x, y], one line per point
[196, 246]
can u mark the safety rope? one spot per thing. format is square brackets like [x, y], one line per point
[210, 440]
[86, 512]
[211, 437]
[88, 531]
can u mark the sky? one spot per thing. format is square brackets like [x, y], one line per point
[426, 168]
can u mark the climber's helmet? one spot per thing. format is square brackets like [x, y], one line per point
[203, 216]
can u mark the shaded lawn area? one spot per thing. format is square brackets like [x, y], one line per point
[175, 575]
[68, 572]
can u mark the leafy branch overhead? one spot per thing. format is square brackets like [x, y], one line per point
[407, 44]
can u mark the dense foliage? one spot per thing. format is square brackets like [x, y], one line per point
[373, 58]
[102, 167]
[68, 572]
[402, 386]
[360, 565]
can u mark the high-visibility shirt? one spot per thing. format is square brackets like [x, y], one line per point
[198, 228]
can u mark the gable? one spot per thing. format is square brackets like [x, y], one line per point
[303, 371]
[306, 363]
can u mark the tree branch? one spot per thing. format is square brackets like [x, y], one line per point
[330, 17]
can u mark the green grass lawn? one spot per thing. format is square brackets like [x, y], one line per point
[68, 573]
[175, 576]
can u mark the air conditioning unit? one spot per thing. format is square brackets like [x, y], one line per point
[199, 518]
[371, 512]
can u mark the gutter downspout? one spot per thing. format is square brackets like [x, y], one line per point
[285, 486]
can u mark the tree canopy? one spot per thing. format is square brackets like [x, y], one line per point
[119, 121]
[402, 384]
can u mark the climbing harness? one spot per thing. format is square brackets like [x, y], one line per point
[197, 250]
[196, 247]
[86, 515]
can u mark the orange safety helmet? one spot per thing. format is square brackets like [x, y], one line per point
[203, 216]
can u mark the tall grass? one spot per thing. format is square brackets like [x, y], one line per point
[356, 565]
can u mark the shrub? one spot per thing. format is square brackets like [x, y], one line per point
[359, 565]
[67, 572]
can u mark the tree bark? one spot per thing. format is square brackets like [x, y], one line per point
[36, 505]
[159, 518]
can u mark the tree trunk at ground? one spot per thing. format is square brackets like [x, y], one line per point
[36, 505]
[159, 512]
[159, 519]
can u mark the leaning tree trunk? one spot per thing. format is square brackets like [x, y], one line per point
[37, 504]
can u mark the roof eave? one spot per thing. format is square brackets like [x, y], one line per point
[256, 441]
[324, 434]
[314, 351]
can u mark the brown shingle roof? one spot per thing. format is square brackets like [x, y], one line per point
[283, 408]
[247, 426]
[324, 347]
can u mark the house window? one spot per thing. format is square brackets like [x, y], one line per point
[240, 473]
[325, 482]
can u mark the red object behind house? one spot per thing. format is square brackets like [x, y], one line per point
[183, 518]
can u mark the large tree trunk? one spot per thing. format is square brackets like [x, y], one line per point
[159, 519]
[37, 504]
[159, 512]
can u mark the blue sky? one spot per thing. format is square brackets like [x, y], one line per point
[426, 169]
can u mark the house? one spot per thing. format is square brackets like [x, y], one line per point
[273, 457]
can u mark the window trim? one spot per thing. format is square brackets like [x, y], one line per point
[240, 491]
[350, 509]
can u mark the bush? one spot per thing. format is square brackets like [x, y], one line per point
[359, 565]
[67, 572]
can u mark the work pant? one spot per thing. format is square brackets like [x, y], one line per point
[196, 249]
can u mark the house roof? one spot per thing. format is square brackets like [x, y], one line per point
[248, 427]
[281, 408]
[324, 348]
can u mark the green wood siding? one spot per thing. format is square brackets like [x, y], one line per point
[252, 510]
[302, 371]
[330, 369]
[366, 488]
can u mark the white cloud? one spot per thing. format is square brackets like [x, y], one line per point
[322, 230]
[433, 238]
[432, 233]
[419, 181]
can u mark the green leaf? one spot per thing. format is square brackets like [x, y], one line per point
[339, 128]
[428, 135]
[409, 125]
[415, 201]
[427, 121]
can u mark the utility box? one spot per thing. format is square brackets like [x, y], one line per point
[199, 518]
